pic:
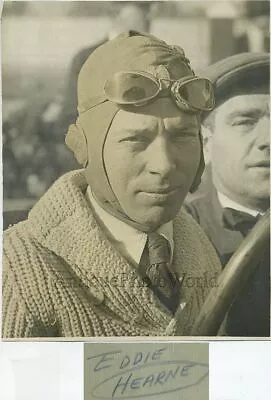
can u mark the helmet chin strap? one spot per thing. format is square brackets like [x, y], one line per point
[115, 209]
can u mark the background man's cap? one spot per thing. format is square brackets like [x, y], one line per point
[241, 73]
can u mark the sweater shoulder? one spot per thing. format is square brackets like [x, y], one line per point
[20, 246]
[27, 259]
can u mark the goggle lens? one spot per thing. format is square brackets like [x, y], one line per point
[131, 88]
[197, 93]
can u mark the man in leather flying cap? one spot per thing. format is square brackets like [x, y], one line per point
[108, 250]
[237, 145]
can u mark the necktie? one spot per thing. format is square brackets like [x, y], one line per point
[161, 279]
[238, 220]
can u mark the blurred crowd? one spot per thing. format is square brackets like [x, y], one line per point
[34, 153]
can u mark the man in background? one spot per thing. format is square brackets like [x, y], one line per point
[237, 144]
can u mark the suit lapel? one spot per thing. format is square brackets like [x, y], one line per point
[224, 240]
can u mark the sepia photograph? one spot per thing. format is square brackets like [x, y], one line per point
[136, 169]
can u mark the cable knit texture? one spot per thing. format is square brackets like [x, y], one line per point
[63, 277]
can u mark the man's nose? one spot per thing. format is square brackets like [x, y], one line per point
[161, 158]
[263, 133]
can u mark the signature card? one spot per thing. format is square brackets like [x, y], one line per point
[134, 370]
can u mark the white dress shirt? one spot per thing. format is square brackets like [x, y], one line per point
[126, 236]
[228, 203]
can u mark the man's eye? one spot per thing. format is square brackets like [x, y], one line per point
[244, 122]
[135, 139]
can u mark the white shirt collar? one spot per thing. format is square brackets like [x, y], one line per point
[132, 239]
[228, 203]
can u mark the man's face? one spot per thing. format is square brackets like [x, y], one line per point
[240, 148]
[151, 158]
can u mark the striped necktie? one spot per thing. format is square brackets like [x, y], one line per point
[158, 275]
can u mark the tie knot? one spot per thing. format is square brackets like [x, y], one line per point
[159, 250]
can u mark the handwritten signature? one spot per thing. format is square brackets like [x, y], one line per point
[142, 374]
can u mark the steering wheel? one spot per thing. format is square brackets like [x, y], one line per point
[232, 279]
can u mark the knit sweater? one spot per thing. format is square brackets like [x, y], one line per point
[62, 277]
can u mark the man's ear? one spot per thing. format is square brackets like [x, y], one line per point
[207, 143]
[76, 141]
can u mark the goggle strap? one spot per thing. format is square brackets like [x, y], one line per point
[88, 104]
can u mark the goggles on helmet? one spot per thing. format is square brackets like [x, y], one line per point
[138, 88]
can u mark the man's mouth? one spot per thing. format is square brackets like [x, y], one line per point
[165, 190]
[160, 194]
[261, 164]
[162, 190]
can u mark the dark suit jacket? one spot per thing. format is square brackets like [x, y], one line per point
[250, 312]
